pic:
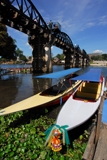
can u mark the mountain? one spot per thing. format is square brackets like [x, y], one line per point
[94, 54]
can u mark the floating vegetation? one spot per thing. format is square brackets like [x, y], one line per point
[22, 137]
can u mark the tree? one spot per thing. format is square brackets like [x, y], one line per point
[23, 58]
[30, 58]
[60, 56]
[7, 44]
[101, 57]
[19, 54]
[104, 57]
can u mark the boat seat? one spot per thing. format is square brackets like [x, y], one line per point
[98, 91]
[85, 95]
[89, 92]
[99, 88]
[89, 89]
[90, 84]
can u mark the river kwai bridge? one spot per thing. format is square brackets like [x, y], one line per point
[22, 15]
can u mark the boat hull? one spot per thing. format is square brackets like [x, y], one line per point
[40, 100]
[76, 111]
[60, 100]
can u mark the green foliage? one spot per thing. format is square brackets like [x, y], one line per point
[2, 60]
[18, 52]
[23, 58]
[30, 58]
[8, 48]
[23, 138]
[60, 56]
[102, 57]
[7, 44]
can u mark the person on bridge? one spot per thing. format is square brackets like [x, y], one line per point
[50, 24]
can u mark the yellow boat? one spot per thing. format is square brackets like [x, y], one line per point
[52, 96]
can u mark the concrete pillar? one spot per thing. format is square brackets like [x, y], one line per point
[68, 59]
[76, 60]
[82, 61]
[48, 58]
[42, 62]
[87, 62]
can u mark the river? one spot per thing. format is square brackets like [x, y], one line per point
[19, 86]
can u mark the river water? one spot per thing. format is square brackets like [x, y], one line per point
[18, 86]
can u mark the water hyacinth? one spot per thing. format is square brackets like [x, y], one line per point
[22, 137]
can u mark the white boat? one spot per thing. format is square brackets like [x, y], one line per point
[84, 102]
[52, 96]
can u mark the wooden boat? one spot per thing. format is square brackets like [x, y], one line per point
[84, 102]
[52, 96]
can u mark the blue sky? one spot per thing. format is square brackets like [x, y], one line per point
[84, 21]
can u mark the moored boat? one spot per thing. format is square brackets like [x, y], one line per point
[54, 95]
[84, 102]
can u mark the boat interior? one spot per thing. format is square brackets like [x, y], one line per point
[58, 88]
[88, 91]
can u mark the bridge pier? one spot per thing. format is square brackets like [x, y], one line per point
[41, 60]
[76, 60]
[86, 62]
[69, 63]
[41, 54]
[82, 62]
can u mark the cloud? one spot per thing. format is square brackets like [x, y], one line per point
[79, 15]
[27, 44]
[90, 24]
[103, 20]
[97, 51]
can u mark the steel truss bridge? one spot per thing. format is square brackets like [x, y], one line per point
[22, 15]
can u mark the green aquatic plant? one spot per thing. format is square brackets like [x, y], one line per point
[22, 137]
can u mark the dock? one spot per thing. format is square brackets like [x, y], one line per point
[97, 144]
[101, 148]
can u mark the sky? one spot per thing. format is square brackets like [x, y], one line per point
[85, 22]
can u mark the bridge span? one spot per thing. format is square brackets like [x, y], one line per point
[22, 15]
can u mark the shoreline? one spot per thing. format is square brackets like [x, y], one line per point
[99, 63]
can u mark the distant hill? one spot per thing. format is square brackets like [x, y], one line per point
[94, 54]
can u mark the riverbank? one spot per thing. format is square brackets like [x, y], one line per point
[19, 70]
[16, 70]
[99, 63]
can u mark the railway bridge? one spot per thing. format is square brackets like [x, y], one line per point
[22, 15]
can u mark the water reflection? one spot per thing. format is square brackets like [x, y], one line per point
[41, 84]
[5, 66]
[16, 87]
[8, 90]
